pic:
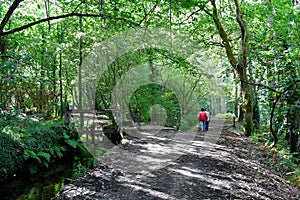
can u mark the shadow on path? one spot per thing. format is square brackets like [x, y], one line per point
[161, 163]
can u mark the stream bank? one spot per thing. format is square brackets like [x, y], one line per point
[44, 184]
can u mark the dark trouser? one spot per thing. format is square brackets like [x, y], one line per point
[207, 124]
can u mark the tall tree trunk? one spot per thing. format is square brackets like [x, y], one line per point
[60, 85]
[3, 49]
[239, 66]
[256, 110]
[54, 84]
[242, 70]
[40, 91]
[60, 39]
[80, 74]
[4, 97]
[241, 106]
[247, 98]
[294, 121]
[236, 99]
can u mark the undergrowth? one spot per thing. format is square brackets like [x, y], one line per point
[29, 146]
[281, 159]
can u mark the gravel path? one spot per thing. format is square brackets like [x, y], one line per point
[158, 163]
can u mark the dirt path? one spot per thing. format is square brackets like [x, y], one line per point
[159, 163]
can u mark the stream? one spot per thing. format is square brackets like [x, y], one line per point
[42, 186]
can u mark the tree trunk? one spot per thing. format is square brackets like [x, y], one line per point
[256, 111]
[242, 70]
[80, 92]
[236, 99]
[294, 121]
[247, 98]
[60, 85]
[3, 95]
[241, 107]
[239, 66]
[41, 88]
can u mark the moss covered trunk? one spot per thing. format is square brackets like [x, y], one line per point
[247, 98]
[239, 65]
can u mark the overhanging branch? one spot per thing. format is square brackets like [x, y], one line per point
[295, 82]
[8, 32]
[10, 11]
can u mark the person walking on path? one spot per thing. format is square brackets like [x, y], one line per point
[202, 117]
[207, 121]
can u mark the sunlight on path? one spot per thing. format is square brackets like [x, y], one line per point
[161, 163]
[157, 147]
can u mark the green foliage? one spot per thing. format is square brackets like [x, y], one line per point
[79, 170]
[152, 94]
[289, 163]
[48, 141]
[30, 78]
[262, 137]
[294, 177]
[34, 144]
[274, 55]
[226, 116]
[75, 143]
[282, 159]
[11, 156]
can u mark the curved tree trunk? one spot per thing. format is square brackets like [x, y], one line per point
[239, 66]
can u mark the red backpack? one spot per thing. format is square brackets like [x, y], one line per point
[202, 116]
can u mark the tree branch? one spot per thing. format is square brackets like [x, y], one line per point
[202, 8]
[195, 12]
[224, 36]
[261, 85]
[8, 14]
[8, 32]
[243, 32]
[147, 14]
[272, 89]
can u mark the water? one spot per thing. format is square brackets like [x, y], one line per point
[42, 186]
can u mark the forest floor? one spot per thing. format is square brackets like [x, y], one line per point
[160, 163]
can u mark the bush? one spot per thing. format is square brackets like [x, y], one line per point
[31, 145]
[226, 116]
[46, 142]
[282, 159]
[11, 156]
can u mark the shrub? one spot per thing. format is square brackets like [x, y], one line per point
[46, 142]
[30, 145]
[226, 116]
[11, 156]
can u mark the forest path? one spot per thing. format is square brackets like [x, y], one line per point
[159, 163]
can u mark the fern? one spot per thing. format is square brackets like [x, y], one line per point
[44, 155]
[72, 143]
[30, 154]
[45, 163]
[58, 151]
[51, 150]
[65, 135]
